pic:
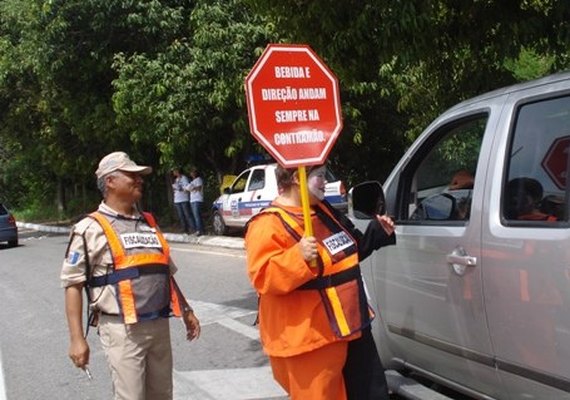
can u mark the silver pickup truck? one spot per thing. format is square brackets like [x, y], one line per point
[475, 295]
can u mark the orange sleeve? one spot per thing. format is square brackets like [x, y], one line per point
[275, 264]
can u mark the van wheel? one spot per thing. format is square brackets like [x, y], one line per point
[218, 224]
[13, 243]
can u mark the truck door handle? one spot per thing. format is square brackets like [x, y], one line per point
[467, 261]
[460, 260]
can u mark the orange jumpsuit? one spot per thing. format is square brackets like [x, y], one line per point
[306, 355]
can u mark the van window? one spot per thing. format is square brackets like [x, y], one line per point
[239, 184]
[257, 180]
[329, 176]
[535, 186]
[439, 184]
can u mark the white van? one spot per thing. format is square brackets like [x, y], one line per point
[253, 190]
[475, 295]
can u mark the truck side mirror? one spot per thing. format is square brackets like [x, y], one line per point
[366, 200]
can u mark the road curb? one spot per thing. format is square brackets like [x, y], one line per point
[43, 228]
[205, 240]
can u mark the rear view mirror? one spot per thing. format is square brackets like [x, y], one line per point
[367, 199]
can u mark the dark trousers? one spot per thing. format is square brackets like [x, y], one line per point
[196, 207]
[363, 371]
[185, 216]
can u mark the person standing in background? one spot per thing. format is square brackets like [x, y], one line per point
[182, 201]
[196, 189]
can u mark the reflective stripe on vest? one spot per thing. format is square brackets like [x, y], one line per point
[123, 261]
[350, 260]
[344, 299]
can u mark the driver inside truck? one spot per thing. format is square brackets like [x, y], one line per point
[462, 179]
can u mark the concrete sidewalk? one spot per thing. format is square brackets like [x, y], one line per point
[205, 240]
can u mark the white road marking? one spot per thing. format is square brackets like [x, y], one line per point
[216, 253]
[224, 384]
[243, 329]
[2, 382]
[212, 313]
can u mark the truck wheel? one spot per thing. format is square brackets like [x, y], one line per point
[218, 224]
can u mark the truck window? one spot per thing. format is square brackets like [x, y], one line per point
[534, 191]
[439, 184]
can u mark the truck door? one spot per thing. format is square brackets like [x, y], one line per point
[526, 252]
[430, 282]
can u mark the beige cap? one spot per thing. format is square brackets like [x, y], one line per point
[120, 161]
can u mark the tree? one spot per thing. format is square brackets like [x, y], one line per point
[188, 100]
[400, 64]
[21, 174]
[61, 52]
[163, 80]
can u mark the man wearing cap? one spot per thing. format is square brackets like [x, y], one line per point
[119, 254]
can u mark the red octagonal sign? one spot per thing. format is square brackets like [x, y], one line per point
[556, 160]
[293, 104]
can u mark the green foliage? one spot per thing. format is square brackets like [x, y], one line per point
[529, 65]
[38, 212]
[163, 80]
[416, 58]
[56, 84]
[188, 100]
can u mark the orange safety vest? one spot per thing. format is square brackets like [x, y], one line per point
[339, 281]
[136, 275]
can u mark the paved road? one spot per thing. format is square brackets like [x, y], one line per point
[225, 363]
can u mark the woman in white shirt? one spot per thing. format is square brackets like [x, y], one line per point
[181, 201]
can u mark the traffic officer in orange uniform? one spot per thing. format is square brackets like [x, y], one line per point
[122, 258]
[313, 313]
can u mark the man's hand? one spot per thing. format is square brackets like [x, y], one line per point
[78, 347]
[386, 223]
[79, 352]
[308, 246]
[192, 325]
